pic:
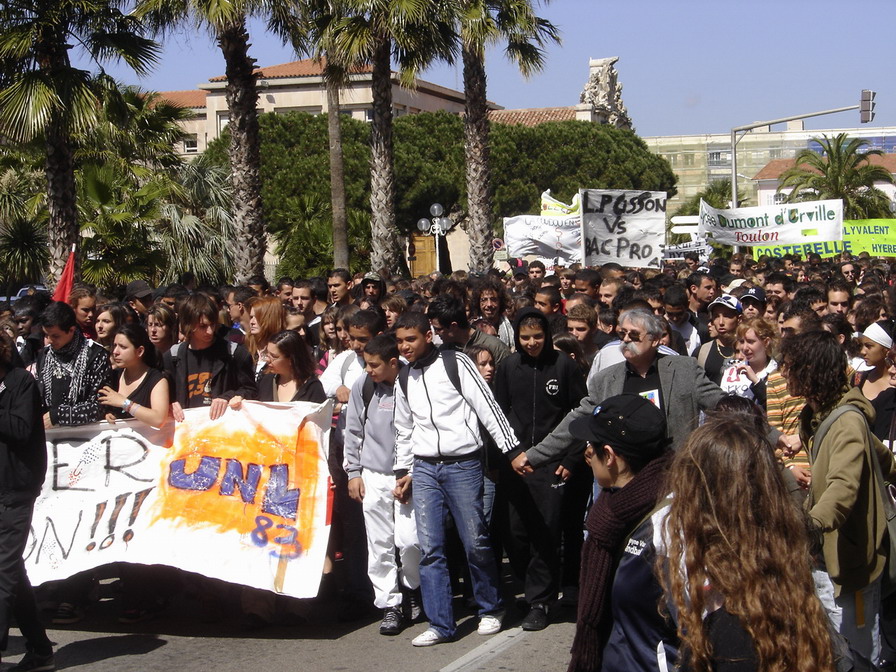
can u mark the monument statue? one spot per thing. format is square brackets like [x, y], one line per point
[603, 93]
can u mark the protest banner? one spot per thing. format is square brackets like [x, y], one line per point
[557, 240]
[626, 227]
[877, 237]
[552, 207]
[787, 224]
[702, 249]
[243, 498]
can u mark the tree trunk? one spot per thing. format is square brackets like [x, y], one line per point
[476, 149]
[337, 179]
[385, 255]
[245, 161]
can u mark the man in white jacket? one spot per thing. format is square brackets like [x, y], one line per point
[439, 402]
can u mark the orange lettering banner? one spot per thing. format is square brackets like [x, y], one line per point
[242, 498]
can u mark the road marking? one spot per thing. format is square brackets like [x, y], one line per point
[482, 654]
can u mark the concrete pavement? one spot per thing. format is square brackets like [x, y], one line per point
[178, 640]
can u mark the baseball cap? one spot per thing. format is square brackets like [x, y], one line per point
[371, 277]
[754, 294]
[138, 288]
[628, 423]
[728, 301]
[733, 284]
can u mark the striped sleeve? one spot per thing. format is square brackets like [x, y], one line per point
[479, 396]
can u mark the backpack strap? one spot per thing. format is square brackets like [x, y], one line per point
[366, 397]
[345, 367]
[826, 424]
[703, 354]
[449, 358]
[403, 379]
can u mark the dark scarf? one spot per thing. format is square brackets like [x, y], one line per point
[611, 520]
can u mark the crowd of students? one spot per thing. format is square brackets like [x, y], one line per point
[696, 455]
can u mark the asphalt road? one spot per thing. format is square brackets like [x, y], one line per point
[180, 640]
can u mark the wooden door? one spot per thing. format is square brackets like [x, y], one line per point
[423, 261]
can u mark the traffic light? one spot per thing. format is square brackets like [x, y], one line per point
[866, 106]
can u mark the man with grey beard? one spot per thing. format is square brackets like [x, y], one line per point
[677, 385]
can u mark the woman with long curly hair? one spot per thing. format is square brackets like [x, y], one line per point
[736, 565]
[845, 499]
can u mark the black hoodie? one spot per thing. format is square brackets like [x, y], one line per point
[537, 393]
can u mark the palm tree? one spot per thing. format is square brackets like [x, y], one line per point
[843, 170]
[484, 22]
[415, 33]
[44, 96]
[23, 232]
[227, 21]
[309, 36]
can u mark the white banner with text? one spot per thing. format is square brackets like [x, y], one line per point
[557, 239]
[626, 227]
[785, 224]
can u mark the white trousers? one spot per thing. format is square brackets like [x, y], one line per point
[390, 527]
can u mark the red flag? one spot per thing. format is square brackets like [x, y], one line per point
[64, 286]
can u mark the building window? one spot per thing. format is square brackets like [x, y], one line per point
[717, 159]
[191, 144]
[780, 198]
[223, 120]
[368, 115]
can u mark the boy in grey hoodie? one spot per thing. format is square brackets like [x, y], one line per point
[370, 463]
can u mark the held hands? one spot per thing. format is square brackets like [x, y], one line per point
[789, 444]
[402, 491]
[521, 465]
[236, 403]
[803, 477]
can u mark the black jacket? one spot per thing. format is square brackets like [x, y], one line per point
[23, 447]
[536, 394]
[233, 372]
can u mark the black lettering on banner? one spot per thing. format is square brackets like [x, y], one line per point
[50, 525]
[119, 449]
[57, 465]
[617, 226]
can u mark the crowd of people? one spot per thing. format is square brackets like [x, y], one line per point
[696, 456]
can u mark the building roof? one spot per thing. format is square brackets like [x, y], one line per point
[776, 167]
[303, 68]
[532, 116]
[195, 98]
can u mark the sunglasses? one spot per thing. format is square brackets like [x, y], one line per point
[633, 336]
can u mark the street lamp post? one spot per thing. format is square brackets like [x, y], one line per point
[435, 227]
[867, 115]
[758, 124]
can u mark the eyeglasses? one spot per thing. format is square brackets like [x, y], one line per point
[633, 336]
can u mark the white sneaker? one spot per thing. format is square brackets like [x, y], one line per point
[429, 638]
[490, 624]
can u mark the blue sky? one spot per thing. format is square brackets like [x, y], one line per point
[687, 67]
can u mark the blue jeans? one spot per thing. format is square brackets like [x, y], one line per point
[456, 488]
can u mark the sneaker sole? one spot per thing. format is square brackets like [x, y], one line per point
[441, 640]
